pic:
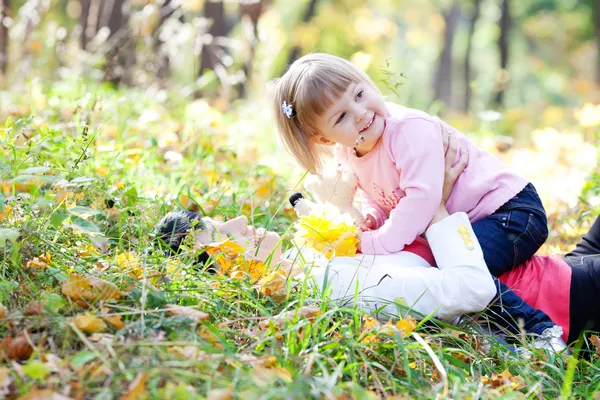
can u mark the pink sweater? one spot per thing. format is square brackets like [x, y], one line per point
[408, 164]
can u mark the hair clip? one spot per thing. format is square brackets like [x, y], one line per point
[288, 110]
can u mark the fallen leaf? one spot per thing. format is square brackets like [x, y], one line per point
[89, 323]
[220, 394]
[40, 262]
[596, 342]
[188, 312]
[114, 320]
[34, 308]
[86, 290]
[130, 263]
[43, 394]
[280, 320]
[3, 311]
[16, 348]
[137, 387]
[503, 381]
[36, 370]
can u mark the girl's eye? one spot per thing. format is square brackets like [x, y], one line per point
[340, 118]
[359, 95]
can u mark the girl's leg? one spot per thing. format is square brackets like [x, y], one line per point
[513, 234]
[511, 312]
[590, 243]
[508, 238]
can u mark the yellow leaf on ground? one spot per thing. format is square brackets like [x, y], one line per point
[114, 320]
[89, 323]
[130, 262]
[280, 320]
[3, 311]
[137, 387]
[188, 312]
[86, 290]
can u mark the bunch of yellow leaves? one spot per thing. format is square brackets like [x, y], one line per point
[327, 231]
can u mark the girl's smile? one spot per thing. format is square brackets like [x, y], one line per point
[356, 119]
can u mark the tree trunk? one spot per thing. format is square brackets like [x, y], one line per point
[210, 55]
[308, 15]
[505, 22]
[4, 6]
[472, 23]
[443, 76]
[166, 10]
[252, 13]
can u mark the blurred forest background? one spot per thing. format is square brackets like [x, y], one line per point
[503, 71]
[455, 55]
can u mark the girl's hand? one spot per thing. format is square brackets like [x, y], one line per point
[452, 167]
[369, 223]
[359, 234]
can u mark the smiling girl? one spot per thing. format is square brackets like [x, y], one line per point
[324, 103]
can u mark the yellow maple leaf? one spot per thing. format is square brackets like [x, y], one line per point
[89, 323]
[130, 262]
[85, 290]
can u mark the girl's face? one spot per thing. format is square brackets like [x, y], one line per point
[257, 242]
[359, 111]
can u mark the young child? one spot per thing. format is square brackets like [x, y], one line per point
[397, 154]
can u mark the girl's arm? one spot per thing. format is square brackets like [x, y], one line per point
[417, 148]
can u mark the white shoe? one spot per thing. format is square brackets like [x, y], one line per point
[551, 339]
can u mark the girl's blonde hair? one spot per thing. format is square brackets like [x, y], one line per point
[310, 85]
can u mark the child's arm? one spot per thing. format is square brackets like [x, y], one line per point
[417, 148]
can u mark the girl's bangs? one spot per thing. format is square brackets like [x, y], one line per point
[318, 93]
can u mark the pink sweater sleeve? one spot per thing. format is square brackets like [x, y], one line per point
[416, 147]
[370, 206]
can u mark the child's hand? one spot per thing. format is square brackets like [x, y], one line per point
[359, 234]
[369, 223]
[451, 173]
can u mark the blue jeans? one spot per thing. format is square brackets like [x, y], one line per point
[508, 238]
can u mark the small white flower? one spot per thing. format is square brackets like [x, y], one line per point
[287, 109]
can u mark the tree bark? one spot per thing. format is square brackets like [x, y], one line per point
[209, 57]
[443, 76]
[468, 78]
[505, 23]
[4, 6]
[252, 12]
[308, 15]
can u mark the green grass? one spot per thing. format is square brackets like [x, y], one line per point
[84, 145]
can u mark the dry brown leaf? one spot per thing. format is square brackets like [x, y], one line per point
[86, 290]
[103, 339]
[280, 320]
[43, 394]
[3, 311]
[220, 394]
[504, 381]
[188, 312]
[34, 308]
[89, 323]
[596, 342]
[137, 387]
[16, 348]
[114, 320]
